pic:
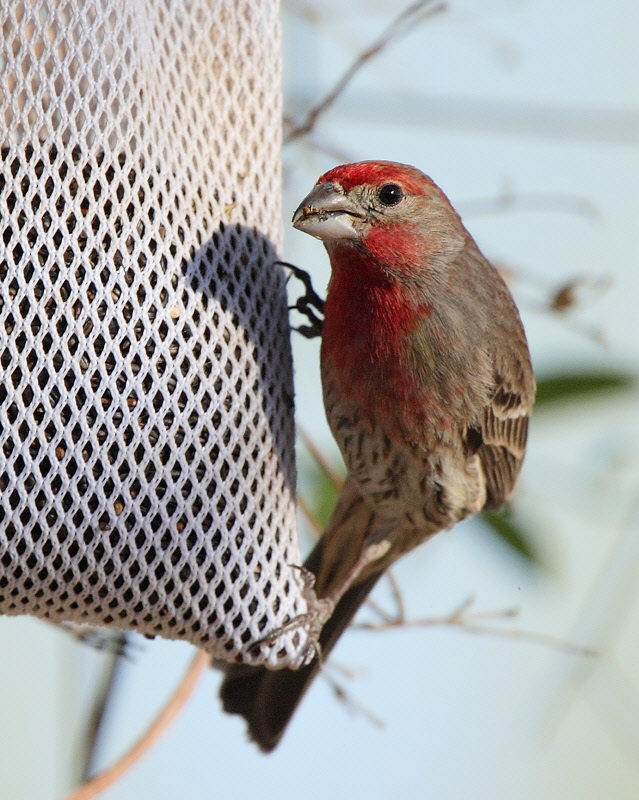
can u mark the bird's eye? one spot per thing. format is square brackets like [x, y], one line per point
[390, 194]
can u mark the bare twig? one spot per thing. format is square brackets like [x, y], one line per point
[404, 23]
[572, 293]
[552, 642]
[400, 611]
[302, 9]
[353, 705]
[615, 699]
[336, 480]
[399, 614]
[461, 618]
[158, 727]
[560, 301]
[110, 641]
[102, 703]
[509, 200]
[604, 611]
[308, 515]
[330, 150]
[475, 623]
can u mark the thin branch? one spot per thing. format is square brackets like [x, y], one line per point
[460, 618]
[615, 698]
[508, 200]
[572, 293]
[154, 732]
[103, 639]
[474, 623]
[349, 701]
[605, 610]
[102, 702]
[331, 151]
[308, 515]
[404, 23]
[335, 478]
[561, 301]
[399, 614]
[400, 610]
[552, 642]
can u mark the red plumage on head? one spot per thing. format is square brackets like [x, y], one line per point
[350, 175]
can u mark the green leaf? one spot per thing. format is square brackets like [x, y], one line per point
[320, 493]
[580, 386]
[505, 526]
[324, 500]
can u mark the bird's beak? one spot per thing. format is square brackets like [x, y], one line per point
[328, 213]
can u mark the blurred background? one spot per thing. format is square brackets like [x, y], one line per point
[525, 112]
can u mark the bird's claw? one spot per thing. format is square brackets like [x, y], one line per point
[310, 304]
[319, 610]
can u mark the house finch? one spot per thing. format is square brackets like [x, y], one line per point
[427, 387]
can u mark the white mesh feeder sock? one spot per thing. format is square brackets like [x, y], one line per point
[146, 431]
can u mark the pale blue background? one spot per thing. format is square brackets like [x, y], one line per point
[538, 97]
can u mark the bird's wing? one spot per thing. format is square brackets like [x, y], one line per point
[504, 426]
[501, 454]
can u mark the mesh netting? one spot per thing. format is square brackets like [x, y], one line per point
[146, 435]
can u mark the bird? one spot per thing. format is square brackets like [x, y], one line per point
[427, 385]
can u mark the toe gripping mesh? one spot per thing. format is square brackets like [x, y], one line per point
[146, 434]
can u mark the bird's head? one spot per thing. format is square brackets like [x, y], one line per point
[353, 202]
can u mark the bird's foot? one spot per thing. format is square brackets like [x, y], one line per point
[310, 304]
[319, 610]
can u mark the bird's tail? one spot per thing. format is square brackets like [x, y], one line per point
[267, 699]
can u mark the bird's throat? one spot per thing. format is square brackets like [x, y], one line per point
[367, 327]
